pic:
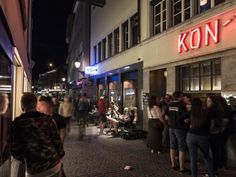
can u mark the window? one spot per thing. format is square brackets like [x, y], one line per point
[99, 52]
[181, 11]
[95, 53]
[204, 5]
[116, 41]
[104, 48]
[125, 35]
[202, 76]
[159, 16]
[135, 29]
[110, 45]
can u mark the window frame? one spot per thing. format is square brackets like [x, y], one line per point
[125, 35]
[181, 79]
[116, 41]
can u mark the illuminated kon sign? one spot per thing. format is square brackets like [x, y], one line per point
[203, 35]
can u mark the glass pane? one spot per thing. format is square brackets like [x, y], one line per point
[185, 71]
[195, 70]
[5, 113]
[187, 14]
[157, 8]
[187, 4]
[185, 84]
[206, 69]
[164, 15]
[157, 29]
[195, 84]
[157, 19]
[164, 5]
[177, 7]
[177, 19]
[218, 2]
[217, 83]
[206, 83]
[217, 67]
[164, 26]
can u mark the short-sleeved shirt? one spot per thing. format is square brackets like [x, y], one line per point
[60, 121]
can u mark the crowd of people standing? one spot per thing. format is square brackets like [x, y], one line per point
[190, 125]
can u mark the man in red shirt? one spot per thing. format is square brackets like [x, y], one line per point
[102, 112]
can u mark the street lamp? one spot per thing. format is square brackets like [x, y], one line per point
[50, 65]
[63, 79]
[77, 66]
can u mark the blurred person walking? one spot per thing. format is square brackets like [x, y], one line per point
[178, 129]
[45, 105]
[56, 104]
[66, 110]
[84, 108]
[198, 138]
[155, 127]
[36, 141]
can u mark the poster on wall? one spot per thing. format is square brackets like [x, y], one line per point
[145, 98]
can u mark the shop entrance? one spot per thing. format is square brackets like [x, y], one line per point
[158, 82]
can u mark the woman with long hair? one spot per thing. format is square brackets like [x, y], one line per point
[155, 126]
[215, 115]
[197, 137]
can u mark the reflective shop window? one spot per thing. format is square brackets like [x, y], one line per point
[5, 113]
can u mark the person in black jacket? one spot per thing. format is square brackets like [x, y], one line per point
[36, 141]
[178, 128]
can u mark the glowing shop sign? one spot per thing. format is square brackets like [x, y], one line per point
[91, 70]
[193, 39]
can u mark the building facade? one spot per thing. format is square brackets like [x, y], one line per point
[15, 66]
[185, 45]
[79, 47]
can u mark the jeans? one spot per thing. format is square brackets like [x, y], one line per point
[194, 142]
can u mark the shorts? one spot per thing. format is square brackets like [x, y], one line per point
[178, 139]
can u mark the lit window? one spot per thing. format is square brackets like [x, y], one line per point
[204, 5]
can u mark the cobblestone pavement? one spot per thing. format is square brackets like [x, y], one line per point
[104, 156]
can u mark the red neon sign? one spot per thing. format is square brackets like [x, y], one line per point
[194, 40]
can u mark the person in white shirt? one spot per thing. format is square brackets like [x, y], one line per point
[155, 126]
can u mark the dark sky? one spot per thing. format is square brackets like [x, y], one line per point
[49, 29]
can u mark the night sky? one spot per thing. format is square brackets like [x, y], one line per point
[49, 33]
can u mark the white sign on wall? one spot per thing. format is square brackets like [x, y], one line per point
[91, 70]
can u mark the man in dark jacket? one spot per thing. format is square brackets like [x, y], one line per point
[178, 117]
[36, 141]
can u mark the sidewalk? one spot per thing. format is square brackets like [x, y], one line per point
[104, 156]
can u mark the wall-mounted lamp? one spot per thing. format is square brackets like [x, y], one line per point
[77, 66]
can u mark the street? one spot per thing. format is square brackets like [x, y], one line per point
[104, 156]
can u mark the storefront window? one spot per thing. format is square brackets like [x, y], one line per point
[129, 94]
[5, 113]
[202, 76]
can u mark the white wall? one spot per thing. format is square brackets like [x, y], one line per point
[105, 20]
